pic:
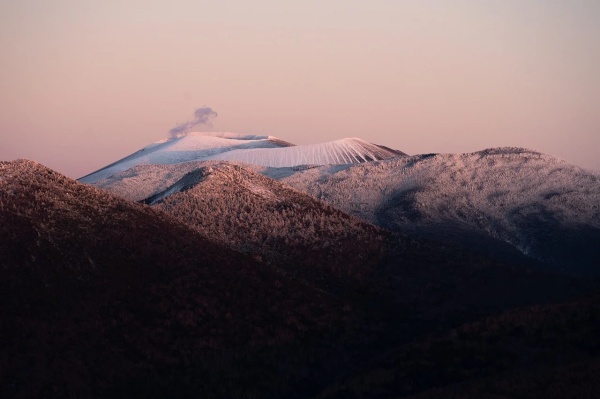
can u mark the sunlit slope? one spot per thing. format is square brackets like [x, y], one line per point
[258, 215]
[540, 204]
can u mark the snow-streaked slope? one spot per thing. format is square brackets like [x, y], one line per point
[337, 152]
[191, 147]
[258, 215]
[540, 204]
[250, 149]
[143, 181]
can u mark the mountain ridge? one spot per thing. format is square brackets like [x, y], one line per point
[291, 229]
[108, 298]
[273, 151]
[502, 199]
[537, 203]
[104, 297]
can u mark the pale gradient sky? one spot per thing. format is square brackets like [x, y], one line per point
[85, 82]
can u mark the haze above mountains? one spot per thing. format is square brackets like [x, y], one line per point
[232, 265]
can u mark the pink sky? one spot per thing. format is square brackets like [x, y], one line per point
[83, 82]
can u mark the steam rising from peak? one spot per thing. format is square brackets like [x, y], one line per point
[202, 116]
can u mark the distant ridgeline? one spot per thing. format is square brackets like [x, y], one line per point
[396, 277]
[257, 150]
[501, 201]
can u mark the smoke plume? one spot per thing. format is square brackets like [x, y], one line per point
[202, 116]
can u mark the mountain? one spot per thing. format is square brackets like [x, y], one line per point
[105, 297]
[260, 150]
[260, 216]
[190, 147]
[143, 181]
[502, 202]
[306, 238]
[536, 203]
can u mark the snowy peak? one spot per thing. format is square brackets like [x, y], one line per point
[251, 149]
[190, 147]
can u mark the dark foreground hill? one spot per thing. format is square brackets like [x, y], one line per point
[106, 298]
[544, 351]
[102, 297]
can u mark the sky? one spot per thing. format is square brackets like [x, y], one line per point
[86, 82]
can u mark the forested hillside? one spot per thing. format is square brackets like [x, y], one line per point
[260, 216]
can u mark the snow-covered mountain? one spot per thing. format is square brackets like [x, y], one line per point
[499, 200]
[252, 149]
[260, 216]
[191, 147]
[543, 206]
[109, 298]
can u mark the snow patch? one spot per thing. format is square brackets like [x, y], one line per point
[338, 152]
